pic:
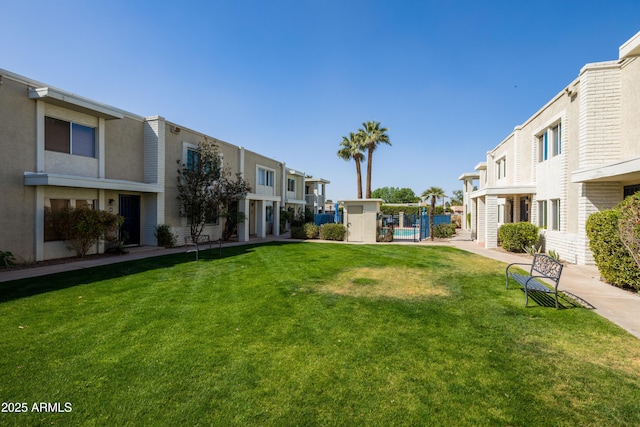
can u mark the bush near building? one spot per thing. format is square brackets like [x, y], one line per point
[615, 263]
[333, 232]
[518, 235]
[305, 231]
[444, 231]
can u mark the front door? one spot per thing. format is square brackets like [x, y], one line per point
[130, 210]
[356, 224]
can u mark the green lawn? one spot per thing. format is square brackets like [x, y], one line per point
[309, 334]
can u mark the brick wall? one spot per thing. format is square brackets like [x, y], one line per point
[599, 114]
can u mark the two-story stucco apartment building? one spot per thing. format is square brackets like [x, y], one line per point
[578, 154]
[64, 150]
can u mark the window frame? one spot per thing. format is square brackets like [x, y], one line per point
[501, 167]
[542, 214]
[75, 134]
[266, 177]
[550, 142]
[555, 214]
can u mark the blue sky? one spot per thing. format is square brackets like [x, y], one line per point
[287, 79]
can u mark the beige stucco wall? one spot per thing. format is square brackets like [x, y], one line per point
[254, 160]
[124, 149]
[17, 143]
[175, 143]
[630, 108]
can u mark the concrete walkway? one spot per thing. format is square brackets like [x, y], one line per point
[619, 306]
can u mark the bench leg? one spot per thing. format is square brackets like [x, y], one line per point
[526, 297]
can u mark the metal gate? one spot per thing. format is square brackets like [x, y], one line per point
[410, 228]
[403, 227]
[437, 220]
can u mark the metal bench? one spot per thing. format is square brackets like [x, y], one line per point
[543, 267]
[193, 245]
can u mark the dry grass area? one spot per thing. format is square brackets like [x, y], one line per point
[386, 282]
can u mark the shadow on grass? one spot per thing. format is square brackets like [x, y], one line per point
[544, 299]
[24, 288]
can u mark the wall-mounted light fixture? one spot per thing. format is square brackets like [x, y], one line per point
[111, 202]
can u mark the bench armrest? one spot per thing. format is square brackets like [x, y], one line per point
[517, 263]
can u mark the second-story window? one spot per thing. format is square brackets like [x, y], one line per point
[291, 184]
[68, 137]
[550, 142]
[556, 131]
[501, 168]
[265, 177]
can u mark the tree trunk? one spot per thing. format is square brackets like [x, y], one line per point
[369, 163]
[359, 175]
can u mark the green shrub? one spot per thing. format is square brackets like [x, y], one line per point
[164, 236]
[629, 225]
[7, 259]
[83, 227]
[333, 232]
[613, 260]
[285, 216]
[517, 236]
[306, 231]
[299, 219]
[395, 210]
[443, 231]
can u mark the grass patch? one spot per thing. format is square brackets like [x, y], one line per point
[386, 282]
[309, 334]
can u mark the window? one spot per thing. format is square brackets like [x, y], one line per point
[265, 177]
[68, 137]
[542, 213]
[553, 137]
[543, 147]
[555, 214]
[211, 216]
[193, 157]
[54, 206]
[86, 204]
[51, 208]
[557, 139]
[501, 168]
[291, 184]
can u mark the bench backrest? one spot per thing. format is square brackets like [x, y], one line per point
[546, 266]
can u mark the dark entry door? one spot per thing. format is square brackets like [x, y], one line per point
[130, 210]
[524, 210]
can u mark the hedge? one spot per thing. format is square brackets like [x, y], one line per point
[613, 260]
[333, 232]
[518, 235]
[443, 231]
[306, 231]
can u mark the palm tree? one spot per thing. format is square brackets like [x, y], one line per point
[351, 148]
[372, 135]
[433, 192]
